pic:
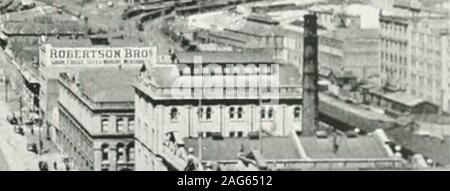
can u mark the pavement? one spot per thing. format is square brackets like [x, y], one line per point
[3, 163]
[12, 145]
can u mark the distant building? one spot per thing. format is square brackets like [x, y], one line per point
[95, 126]
[253, 31]
[400, 103]
[429, 61]
[414, 57]
[351, 49]
[395, 51]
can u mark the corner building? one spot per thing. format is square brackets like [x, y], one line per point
[164, 119]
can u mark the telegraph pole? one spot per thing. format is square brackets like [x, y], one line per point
[20, 107]
[6, 87]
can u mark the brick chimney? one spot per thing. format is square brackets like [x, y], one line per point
[310, 76]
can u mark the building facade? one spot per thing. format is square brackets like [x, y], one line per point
[164, 118]
[429, 61]
[95, 123]
[395, 51]
[57, 56]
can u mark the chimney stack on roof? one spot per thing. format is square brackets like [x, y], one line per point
[310, 76]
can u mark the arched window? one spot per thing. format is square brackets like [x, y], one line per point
[239, 112]
[200, 113]
[271, 113]
[130, 152]
[231, 112]
[208, 113]
[297, 112]
[174, 114]
[120, 150]
[105, 152]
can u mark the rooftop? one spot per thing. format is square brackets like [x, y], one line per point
[434, 148]
[108, 84]
[360, 147]
[285, 148]
[224, 57]
[227, 149]
[400, 97]
[114, 41]
[165, 75]
[253, 28]
[34, 27]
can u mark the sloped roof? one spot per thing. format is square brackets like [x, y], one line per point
[108, 84]
[228, 148]
[361, 147]
[400, 97]
[434, 148]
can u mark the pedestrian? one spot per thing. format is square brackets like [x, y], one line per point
[55, 165]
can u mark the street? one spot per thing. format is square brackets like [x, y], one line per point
[3, 164]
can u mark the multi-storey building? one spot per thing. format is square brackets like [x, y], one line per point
[238, 31]
[64, 55]
[395, 51]
[429, 67]
[96, 118]
[232, 109]
[414, 57]
[350, 49]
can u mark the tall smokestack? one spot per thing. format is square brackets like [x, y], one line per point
[310, 76]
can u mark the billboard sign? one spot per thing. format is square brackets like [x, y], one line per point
[93, 56]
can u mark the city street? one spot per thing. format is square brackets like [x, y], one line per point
[13, 146]
[3, 163]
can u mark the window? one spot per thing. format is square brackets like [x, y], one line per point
[120, 152]
[208, 113]
[105, 152]
[232, 134]
[263, 113]
[120, 124]
[205, 115]
[231, 112]
[271, 112]
[240, 134]
[297, 112]
[104, 124]
[239, 112]
[131, 124]
[174, 114]
[130, 152]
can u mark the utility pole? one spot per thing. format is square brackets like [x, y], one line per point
[260, 114]
[200, 113]
[20, 107]
[6, 87]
